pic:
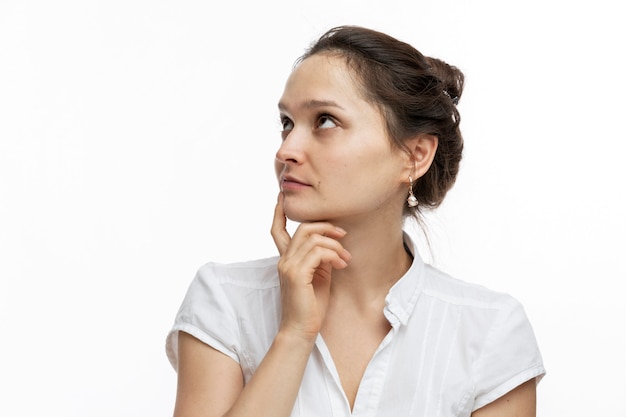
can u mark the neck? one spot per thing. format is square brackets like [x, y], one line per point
[379, 260]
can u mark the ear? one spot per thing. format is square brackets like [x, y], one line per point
[423, 148]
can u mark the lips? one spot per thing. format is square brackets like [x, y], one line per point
[289, 182]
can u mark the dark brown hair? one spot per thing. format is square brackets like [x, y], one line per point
[417, 94]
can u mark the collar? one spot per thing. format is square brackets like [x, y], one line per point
[402, 297]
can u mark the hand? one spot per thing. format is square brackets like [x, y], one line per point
[306, 262]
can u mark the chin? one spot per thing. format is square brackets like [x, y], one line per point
[308, 210]
[303, 216]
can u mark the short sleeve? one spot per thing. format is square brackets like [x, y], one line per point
[206, 314]
[510, 355]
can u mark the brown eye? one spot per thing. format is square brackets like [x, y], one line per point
[326, 121]
[286, 123]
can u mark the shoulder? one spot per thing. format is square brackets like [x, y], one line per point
[225, 301]
[228, 286]
[493, 330]
[442, 286]
[258, 273]
[438, 285]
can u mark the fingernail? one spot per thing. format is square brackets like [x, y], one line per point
[340, 230]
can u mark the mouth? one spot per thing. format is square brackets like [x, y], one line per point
[288, 182]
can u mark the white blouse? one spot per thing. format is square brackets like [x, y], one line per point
[453, 347]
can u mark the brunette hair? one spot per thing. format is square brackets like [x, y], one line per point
[417, 94]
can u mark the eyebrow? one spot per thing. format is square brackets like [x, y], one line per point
[310, 104]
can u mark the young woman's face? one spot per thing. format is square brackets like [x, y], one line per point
[336, 162]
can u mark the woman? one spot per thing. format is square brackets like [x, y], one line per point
[349, 320]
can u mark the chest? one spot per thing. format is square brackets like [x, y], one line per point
[420, 368]
[351, 346]
[427, 379]
[423, 368]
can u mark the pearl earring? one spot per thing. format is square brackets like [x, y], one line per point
[412, 200]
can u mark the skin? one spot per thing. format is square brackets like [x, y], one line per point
[346, 184]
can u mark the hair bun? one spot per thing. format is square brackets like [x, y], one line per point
[451, 77]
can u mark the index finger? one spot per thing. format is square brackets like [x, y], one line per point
[279, 227]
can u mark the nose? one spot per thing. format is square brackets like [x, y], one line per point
[291, 151]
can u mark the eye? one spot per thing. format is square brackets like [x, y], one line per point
[326, 121]
[286, 123]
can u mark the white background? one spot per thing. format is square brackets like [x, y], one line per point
[137, 140]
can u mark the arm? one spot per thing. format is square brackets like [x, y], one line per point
[211, 384]
[519, 402]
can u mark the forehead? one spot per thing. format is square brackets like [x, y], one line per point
[321, 77]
